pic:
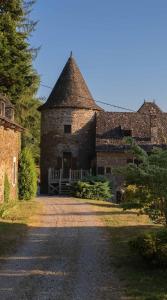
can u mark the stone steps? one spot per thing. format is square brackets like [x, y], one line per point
[65, 188]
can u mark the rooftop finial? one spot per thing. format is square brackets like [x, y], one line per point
[71, 54]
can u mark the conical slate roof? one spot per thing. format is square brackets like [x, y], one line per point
[70, 90]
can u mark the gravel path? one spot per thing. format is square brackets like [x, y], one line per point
[65, 256]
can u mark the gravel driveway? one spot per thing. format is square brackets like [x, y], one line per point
[65, 256]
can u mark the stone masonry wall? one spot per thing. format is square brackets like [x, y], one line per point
[112, 160]
[81, 141]
[9, 151]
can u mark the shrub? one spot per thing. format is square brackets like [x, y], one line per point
[6, 189]
[27, 176]
[92, 187]
[152, 247]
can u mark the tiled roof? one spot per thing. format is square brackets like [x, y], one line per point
[148, 126]
[70, 90]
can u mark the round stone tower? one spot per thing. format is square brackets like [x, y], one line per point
[67, 125]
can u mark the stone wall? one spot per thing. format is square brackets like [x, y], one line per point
[9, 151]
[113, 161]
[80, 142]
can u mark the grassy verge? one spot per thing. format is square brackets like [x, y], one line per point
[14, 220]
[138, 280]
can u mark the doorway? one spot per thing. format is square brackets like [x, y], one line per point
[66, 164]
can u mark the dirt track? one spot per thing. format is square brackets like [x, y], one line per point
[65, 256]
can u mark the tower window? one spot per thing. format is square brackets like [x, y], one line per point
[67, 128]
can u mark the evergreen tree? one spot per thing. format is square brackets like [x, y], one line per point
[149, 180]
[18, 79]
[17, 76]
[27, 175]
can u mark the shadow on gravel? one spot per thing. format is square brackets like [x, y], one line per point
[60, 263]
[76, 263]
[92, 213]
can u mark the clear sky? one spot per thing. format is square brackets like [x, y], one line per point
[119, 45]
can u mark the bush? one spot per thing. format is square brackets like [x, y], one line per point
[92, 187]
[152, 247]
[6, 189]
[27, 176]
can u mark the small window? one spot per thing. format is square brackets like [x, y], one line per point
[135, 161]
[108, 170]
[127, 132]
[100, 170]
[67, 128]
[130, 161]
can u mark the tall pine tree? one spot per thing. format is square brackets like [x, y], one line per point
[17, 76]
[18, 79]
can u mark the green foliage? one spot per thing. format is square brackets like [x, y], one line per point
[134, 197]
[150, 178]
[152, 247]
[92, 187]
[16, 72]
[19, 80]
[27, 175]
[6, 189]
[29, 117]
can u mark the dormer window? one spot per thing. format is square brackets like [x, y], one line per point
[9, 113]
[2, 108]
[67, 128]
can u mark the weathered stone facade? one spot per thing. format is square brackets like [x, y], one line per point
[9, 150]
[54, 141]
[78, 134]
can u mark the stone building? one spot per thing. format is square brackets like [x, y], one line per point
[9, 147]
[77, 135]
[67, 125]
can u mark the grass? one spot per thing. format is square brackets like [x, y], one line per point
[139, 281]
[14, 219]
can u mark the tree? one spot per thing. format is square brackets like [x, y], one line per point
[27, 176]
[150, 178]
[30, 120]
[17, 76]
[18, 79]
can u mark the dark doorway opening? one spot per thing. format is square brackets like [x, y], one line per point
[118, 197]
[67, 164]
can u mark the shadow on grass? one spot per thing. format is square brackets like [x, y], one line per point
[141, 281]
[108, 205]
[11, 234]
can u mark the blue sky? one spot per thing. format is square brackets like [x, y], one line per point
[119, 45]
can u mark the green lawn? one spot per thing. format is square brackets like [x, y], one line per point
[14, 221]
[137, 279]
